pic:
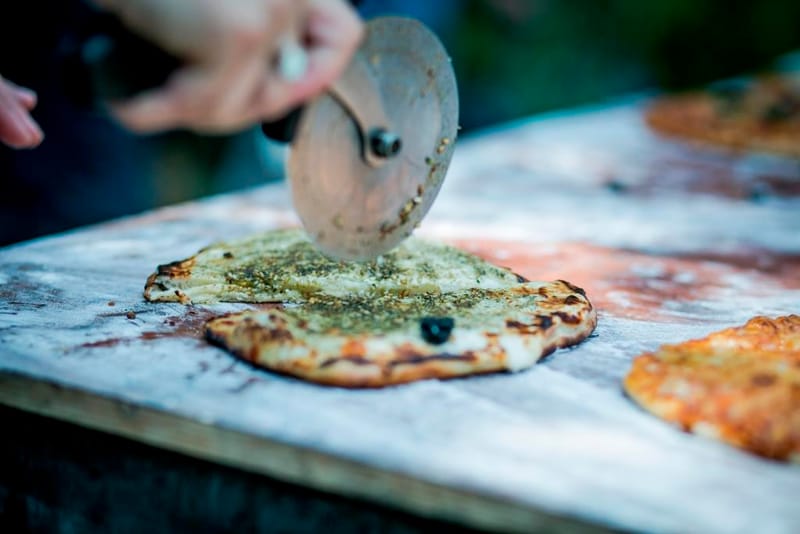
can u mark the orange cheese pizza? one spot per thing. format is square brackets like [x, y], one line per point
[760, 115]
[740, 385]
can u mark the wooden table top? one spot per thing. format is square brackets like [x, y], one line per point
[670, 241]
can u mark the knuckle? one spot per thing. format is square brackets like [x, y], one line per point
[270, 107]
[241, 32]
[280, 11]
[191, 105]
[247, 36]
[357, 31]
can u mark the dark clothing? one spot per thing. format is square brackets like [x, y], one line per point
[88, 169]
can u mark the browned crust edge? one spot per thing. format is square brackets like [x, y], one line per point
[425, 367]
[176, 270]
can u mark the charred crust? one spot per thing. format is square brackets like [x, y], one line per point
[549, 350]
[409, 355]
[278, 334]
[260, 334]
[543, 322]
[574, 288]
[183, 298]
[354, 359]
[521, 279]
[177, 269]
[148, 286]
[568, 341]
[572, 300]
[568, 318]
[419, 359]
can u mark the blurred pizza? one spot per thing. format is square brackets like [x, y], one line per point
[762, 114]
[739, 385]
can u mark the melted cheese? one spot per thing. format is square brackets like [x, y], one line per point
[284, 266]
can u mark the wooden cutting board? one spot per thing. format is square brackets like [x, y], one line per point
[671, 242]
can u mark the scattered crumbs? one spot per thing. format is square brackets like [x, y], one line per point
[111, 303]
[131, 315]
[227, 255]
[616, 186]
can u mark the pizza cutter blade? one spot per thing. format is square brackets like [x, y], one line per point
[369, 156]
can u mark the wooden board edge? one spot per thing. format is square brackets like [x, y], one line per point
[281, 461]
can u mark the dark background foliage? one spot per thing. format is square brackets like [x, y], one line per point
[513, 58]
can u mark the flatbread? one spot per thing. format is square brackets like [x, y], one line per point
[371, 342]
[761, 115]
[424, 310]
[740, 386]
[283, 266]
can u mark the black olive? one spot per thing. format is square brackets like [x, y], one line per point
[436, 330]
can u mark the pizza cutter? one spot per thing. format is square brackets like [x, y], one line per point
[369, 156]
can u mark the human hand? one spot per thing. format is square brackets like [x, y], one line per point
[17, 127]
[229, 79]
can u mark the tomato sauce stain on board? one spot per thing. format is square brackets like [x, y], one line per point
[637, 285]
[191, 325]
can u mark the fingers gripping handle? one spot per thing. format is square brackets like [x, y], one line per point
[104, 61]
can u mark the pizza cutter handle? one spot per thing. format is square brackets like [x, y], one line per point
[283, 129]
[357, 91]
